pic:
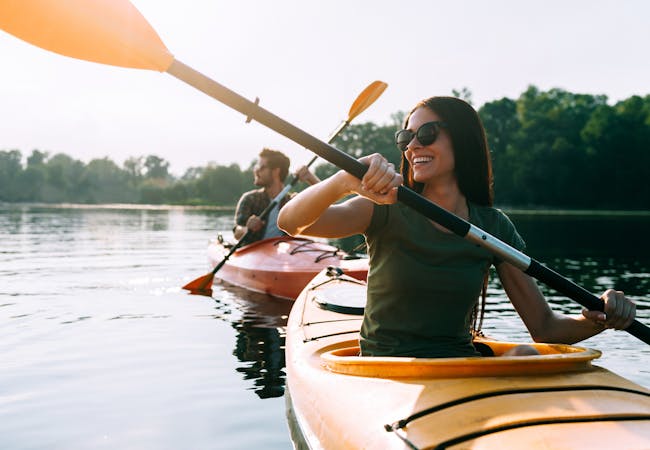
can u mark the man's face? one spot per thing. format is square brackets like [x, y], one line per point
[262, 173]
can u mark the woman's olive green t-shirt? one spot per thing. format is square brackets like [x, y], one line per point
[423, 283]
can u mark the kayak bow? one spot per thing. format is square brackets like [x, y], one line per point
[282, 266]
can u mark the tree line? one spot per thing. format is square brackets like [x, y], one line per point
[552, 149]
[144, 179]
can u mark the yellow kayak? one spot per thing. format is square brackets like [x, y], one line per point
[339, 400]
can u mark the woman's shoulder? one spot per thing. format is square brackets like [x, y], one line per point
[488, 213]
[490, 218]
[496, 222]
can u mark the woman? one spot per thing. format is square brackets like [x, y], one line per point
[424, 281]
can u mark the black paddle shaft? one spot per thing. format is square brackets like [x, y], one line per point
[407, 196]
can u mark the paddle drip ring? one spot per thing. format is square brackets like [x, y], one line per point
[250, 117]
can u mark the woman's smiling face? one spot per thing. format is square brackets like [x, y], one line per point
[431, 163]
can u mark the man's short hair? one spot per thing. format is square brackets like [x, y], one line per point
[277, 160]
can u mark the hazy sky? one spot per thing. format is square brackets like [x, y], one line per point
[307, 60]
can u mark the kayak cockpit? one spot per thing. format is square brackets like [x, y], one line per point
[552, 358]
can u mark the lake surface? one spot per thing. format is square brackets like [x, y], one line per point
[101, 348]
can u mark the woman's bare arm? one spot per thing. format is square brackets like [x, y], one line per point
[314, 211]
[545, 325]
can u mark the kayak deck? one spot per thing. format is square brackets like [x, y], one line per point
[556, 400]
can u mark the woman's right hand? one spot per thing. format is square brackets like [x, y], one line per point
[380, 181]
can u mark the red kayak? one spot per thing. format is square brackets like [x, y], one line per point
[282, 266]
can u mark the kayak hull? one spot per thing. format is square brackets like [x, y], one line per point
[283, 266]
[555, 400]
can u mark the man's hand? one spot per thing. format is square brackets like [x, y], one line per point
[254, 223]
[306, 176]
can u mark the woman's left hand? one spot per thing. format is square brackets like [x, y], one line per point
[619, 312]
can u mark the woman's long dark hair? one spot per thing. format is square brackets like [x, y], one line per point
[473, 164]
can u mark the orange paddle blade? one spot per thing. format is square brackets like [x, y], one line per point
[104, 31]
[201, 286]
[367, 98]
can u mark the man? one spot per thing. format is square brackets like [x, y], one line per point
[269, 173]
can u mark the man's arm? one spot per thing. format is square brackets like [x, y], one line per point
[242, 213]
[306, 176]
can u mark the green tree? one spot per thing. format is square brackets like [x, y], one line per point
[32, 181]
[133, 168]
[36, 159]
[222, 185]
[548, 153]
[617, 140]
[29, 184]
[10, 171]
[63, 175]
[103, 181]
[501, 127]
[193, 173]
[153, 191]
[156, 167]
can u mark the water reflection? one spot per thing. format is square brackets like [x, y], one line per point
[583, 235]
[264, 349]
[597, 274]
[631, 275]
[260, 322]
[70, 218]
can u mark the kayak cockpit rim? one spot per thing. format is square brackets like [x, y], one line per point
[553, 358]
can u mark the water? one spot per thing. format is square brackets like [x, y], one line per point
[101, 348]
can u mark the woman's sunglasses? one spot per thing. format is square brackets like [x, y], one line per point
[426, 134]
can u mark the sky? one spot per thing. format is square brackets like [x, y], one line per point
[307, 61]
